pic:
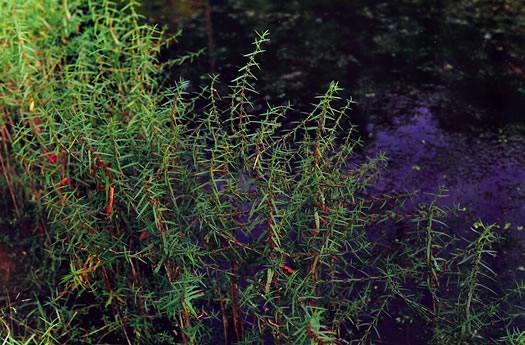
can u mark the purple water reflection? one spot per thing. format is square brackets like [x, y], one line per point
[482, 174]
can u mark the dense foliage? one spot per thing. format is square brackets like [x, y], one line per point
[178, 218]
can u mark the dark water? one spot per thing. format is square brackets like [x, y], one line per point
[439, 88]
[471, 50]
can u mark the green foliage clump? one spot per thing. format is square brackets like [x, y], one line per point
[182, 218]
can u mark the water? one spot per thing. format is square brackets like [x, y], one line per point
[439, 88]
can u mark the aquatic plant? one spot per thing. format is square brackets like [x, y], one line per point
[176, 218]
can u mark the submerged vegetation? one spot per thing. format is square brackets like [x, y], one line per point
[161, 216]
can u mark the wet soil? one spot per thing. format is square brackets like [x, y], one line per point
[7, 266]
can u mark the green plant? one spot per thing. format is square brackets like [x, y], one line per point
[187, 219]
[514, 337]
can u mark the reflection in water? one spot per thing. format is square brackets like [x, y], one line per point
[429, 78]
[473, 49]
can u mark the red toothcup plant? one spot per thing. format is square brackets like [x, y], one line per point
[183, 218]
